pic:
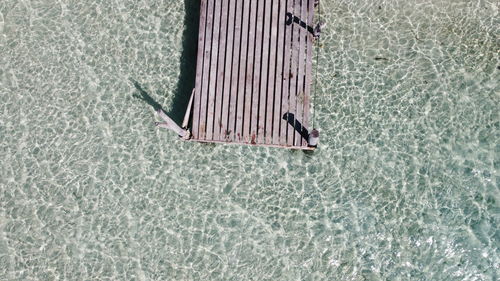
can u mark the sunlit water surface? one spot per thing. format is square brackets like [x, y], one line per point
[404, 185]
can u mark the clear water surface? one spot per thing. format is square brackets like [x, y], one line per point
[404, 186]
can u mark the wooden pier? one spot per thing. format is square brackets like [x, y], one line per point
[253, 73]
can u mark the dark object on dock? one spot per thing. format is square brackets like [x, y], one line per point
[317, 30]
[314, 138]
[252, 69]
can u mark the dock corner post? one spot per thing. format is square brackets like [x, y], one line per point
[186, 136]
[313, 138]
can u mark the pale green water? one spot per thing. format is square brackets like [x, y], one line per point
[403, 187]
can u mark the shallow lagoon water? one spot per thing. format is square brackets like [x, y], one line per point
[404, 185]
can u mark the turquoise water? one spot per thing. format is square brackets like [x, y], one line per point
[404, 186]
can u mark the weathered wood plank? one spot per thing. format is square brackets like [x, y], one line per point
[286, 74]
[206, 70]
[266, 145]
[213, 70]
[299, 94]
[264, 73]
[257, 73]
[228, 70]
[235, 73]
[293, 73]
[242, 72]
[308, 79]
[272, 71]
[220, 70]
[279, 71]
[199, 69]
[250, 72]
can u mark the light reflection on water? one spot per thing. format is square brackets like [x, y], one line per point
[403, 186]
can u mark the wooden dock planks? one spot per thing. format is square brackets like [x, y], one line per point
[308, 75]
[253, 72]
[250, 71]
[199, 71]
[220, 71]
[277, 114]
